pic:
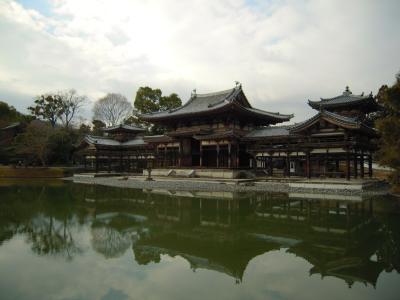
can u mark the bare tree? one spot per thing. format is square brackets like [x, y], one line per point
[71, 104]
[112, 109]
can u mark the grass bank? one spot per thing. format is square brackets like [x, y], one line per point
[35, 172]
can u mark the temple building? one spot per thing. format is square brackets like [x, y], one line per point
[336, 142]
[221, 135]
[208, 131]
[121, 149]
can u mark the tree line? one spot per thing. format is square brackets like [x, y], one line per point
[48, 135]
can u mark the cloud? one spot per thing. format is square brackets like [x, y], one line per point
[283, 52]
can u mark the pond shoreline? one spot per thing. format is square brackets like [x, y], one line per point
[178, 184]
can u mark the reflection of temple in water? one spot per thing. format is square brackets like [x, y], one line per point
[224, 232]
[353, 240]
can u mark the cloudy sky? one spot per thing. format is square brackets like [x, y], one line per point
[283, 52]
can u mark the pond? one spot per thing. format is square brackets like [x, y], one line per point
[60, 240]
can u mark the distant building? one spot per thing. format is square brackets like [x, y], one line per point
[122, 149]
[7, 138]
[9, 132]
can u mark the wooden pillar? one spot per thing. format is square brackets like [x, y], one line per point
[165, 156]
[347, 165]
[362, 164]
[287, 164]
[84, 162]
[229, 155]
[355, 165]
[97, 162]
[336, 165]
[217, 155]
[308, 165]
[180, 154]
[270, 166]
[237, 155]
[326, 163]
[201, 155]
[157, 157]
[262, 161]
[109, 164]
[120, 161]
[370, 166]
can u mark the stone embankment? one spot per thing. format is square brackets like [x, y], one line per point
[196, 184]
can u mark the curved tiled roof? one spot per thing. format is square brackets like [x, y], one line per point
[105, 141]
[124, 126]
[270, 131]
[214, 102]
[100, 140]
[347, 122]
[276, 115]
[346, 99]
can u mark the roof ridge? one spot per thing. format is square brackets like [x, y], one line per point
[196, 96]
[273, 127]
[96, 136]
[125, 126]
[275, 113]
[361, 96]
[216, 93]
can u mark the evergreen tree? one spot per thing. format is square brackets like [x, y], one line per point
[150, 100]
[389, 127]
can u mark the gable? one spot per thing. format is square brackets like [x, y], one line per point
[326, 122]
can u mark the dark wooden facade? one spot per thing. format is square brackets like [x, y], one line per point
[223, 131]
[122, 149]
[208, 131]
[336, 142]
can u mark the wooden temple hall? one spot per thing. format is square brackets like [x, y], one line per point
[221, 135]
[121, 149]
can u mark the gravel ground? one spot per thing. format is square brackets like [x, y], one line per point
[213, 185]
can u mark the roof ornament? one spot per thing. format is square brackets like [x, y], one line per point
[238, 84]
[347, 91]
[193, 93]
